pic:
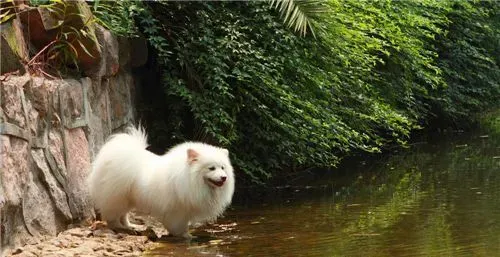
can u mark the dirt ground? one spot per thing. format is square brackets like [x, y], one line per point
[95, 240]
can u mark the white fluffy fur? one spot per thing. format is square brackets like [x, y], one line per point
[174, 187]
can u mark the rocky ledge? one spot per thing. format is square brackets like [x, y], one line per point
[84, 241]
[95, 239]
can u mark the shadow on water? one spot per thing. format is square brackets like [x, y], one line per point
[433, 199]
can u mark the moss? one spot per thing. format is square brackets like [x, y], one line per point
[9, 34]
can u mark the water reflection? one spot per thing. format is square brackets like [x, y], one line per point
[431, 200]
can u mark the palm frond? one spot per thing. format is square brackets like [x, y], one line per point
[300, 14]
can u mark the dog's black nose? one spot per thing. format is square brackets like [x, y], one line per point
[223, 178]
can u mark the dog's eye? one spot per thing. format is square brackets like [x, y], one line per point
[222, 167]
[211, 168]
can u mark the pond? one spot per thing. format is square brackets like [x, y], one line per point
[432, 199]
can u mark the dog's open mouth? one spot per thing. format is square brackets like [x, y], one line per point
[215, 182]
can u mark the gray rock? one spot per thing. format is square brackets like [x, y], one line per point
[99, 122]
[71, 95]
[78, 168]
[38, 210]
[109, 61]
[11, 92]
[33, 119]
[56, 192]
[14, 168]
[13, 230]
[120, 100]
[14, 174]
[56, 149]
[13, 130]
[39, 94]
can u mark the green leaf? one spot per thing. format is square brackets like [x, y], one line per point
[300, 13]
[84, 48]
[4, 17]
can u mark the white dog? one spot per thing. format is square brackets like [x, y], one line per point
[192, 182]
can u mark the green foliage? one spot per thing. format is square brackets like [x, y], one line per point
[70, 35]
[117, 16]
[490, 122]
[237, 77]
[7, 10]
[470, 59]
[38, 2]
[233, 74]
[74, 35]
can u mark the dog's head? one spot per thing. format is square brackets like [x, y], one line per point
[212, 164]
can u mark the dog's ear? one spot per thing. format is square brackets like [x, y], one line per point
[225, 151]
[192, 155]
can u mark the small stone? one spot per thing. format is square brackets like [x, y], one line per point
[79, 232]
[27, 254]
[98, 248]
[61, 244]
[122, 250]
[17, 251]
[105, 233]
[107, 254]
[74, 245]
[51, 248]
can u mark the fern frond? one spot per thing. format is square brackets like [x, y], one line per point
[300, 14]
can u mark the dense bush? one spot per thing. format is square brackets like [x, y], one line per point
[469, 56]
[234, 75]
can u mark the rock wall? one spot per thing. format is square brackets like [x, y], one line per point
[50, 130]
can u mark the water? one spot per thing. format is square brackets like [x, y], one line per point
[439, 199]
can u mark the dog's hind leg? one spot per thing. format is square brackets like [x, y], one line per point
[115, 216]
[122, 223]
[125, 222]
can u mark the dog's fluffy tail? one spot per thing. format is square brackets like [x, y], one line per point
[139, 135]
[134, 137]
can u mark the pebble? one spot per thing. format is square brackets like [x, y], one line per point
[18, 251]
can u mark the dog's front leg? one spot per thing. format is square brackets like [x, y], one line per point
[178, 227]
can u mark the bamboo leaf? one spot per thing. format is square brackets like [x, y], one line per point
[84, 48]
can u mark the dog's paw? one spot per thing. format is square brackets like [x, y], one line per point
[97, 225]
[187, 236]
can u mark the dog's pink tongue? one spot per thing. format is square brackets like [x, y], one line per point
[217, 183]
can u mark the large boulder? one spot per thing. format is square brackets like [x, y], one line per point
[109, 64]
